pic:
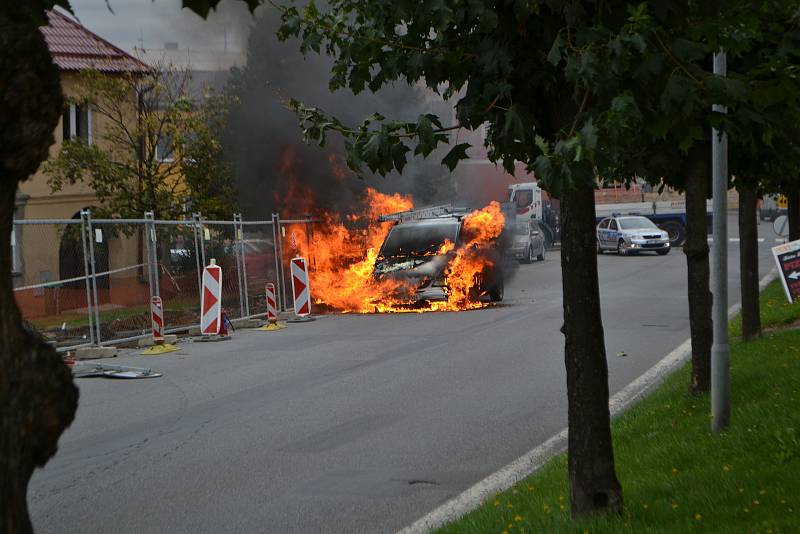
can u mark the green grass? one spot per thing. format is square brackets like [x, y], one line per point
[775, 310]
[676, 475]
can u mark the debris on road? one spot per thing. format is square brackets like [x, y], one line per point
[101, 370]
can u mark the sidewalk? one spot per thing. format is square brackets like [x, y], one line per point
[676, 475]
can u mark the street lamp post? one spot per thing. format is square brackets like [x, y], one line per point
[720, 371]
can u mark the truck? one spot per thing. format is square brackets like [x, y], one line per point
[530, 202]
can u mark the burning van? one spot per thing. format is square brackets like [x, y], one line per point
[443, 254]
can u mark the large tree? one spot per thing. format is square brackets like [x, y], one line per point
[569, 89]
[37, 396]
[552, 82]
[764, 155]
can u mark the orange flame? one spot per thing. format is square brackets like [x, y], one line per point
[472, 262]
[342, 252]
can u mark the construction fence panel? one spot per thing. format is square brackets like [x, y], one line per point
[49, 277]
[121, 279]
[179, 266]
[259, 250]
[221, 244]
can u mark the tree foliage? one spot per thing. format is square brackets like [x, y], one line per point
[155, 148]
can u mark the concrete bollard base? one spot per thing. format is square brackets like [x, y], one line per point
[148, 341]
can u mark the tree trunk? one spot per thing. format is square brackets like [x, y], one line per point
[593, 481]
[37, 396]
[696, 250]
[793, 213]
[748, 263]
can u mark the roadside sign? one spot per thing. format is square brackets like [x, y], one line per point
[787, 256]
[300, 290]
[211, 305]
[781, 225]
[157, 319]
[272, 308]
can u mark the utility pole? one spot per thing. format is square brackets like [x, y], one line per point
[720, 366]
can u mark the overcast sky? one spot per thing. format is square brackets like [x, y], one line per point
[151, 23]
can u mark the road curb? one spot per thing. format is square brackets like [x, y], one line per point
[534, 459]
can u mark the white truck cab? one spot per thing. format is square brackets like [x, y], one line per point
[530, 202]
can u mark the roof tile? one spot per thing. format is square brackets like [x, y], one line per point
[75, 48]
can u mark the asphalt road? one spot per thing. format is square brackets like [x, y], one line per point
[349, 423]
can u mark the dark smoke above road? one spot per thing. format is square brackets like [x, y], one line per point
[265, 145]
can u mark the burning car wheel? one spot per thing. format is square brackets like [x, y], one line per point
[496, 292]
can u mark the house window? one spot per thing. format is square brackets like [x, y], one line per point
[164, 148]
[77, 122]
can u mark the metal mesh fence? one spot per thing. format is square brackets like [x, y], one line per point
[121, 273]
[220, 244]
[258, 246]
[49, 275]
[179, 272]
[89, 281]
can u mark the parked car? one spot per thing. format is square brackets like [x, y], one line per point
[412, 252]
[526, 242]
[630, 235]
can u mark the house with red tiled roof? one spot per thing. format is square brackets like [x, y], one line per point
[41, 253]
[74, 48]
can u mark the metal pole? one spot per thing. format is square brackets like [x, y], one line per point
[720, 372]
[202, 239]
[244, 269]
[84, 236]
[237, 254]
[283, 269]
[278, 287]
[195, 231]
[152, 255]
[93, 272]
[308, 237]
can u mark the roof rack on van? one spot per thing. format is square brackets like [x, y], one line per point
[430, 212]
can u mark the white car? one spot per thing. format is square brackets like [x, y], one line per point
[630, 234]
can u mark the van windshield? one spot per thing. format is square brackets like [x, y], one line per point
[418, 240]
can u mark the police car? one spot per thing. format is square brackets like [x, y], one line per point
[630, 234]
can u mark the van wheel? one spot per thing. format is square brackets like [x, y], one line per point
[528, 257]
[548, 237]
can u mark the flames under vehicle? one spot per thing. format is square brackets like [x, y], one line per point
[418, 253]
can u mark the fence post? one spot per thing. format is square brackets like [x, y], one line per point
[237, 255]
[282, 271]
[93, 271]
[310, 240]
[278, 287]
[197, 248]
[244, 268]
[84, 236]
[152, 255]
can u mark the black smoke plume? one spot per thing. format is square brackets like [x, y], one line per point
[265, 143]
